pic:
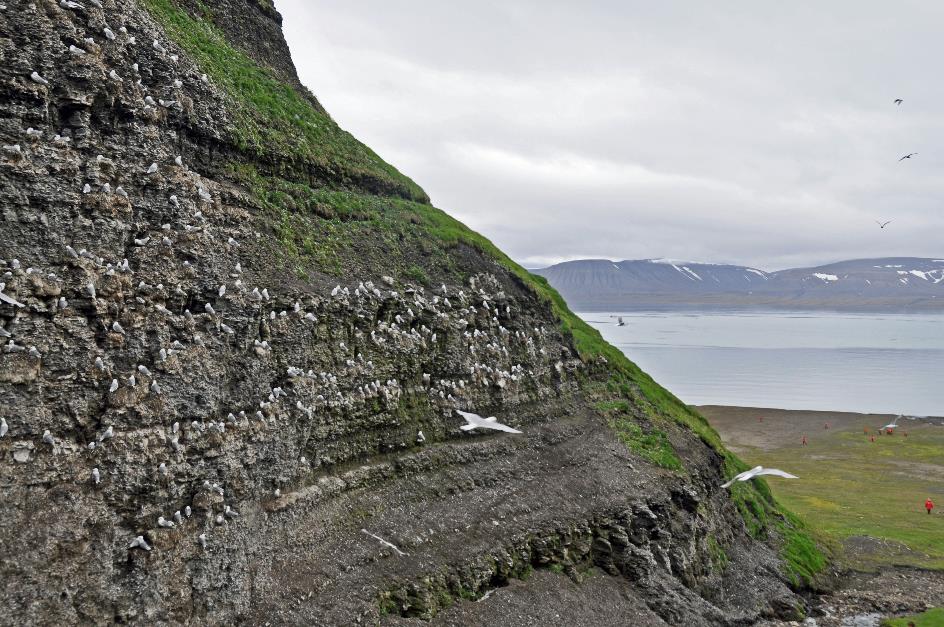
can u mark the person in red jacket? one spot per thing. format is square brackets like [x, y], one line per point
[929, 505]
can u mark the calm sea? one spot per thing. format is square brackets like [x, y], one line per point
[819, 361]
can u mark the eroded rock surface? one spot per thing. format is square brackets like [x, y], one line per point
[235, 366]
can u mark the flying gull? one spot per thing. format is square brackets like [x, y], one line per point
[474, 421]
[892, 425]
[757, 471]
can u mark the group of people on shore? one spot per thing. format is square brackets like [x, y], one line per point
[886, 430]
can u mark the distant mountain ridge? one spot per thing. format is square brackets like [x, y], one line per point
[883, 284]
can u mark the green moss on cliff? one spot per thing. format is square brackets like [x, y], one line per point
[273, 118]
[934, 617]
[651, 444]
[801, 553]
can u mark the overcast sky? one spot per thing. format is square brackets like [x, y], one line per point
[755, 132]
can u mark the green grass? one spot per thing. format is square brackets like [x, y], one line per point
[874, 489]
[932, 618]
[417, 274]
[272, 118]
[802, 554]
[652, 445]
[719, 557]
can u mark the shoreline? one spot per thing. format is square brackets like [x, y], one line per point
[842, 414]
[764, 428]
[864, 491]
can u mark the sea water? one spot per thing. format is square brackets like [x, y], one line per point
[877, 363]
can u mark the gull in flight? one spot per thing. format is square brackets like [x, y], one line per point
[882, 225]
[474, 421]
[908, 156]
[898, 101]
[757, 471]
[892, 425]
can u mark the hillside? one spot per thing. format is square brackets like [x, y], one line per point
[887, 284]
[234, 341]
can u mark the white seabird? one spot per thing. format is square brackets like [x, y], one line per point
[10, 301]
[140, 543]
[892, 425]
[758, 471]
[474, 421]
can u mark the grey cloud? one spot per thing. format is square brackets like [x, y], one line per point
[752, 132]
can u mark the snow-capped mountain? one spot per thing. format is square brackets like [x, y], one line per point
[902, 283]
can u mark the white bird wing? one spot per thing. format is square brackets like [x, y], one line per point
[497, 426]
[472, 420]
[742, 476]
[469, 416]
[10, 301]
[736, 477]
[777, 472]
[475, 421]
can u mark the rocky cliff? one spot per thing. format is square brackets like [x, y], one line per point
[233, 344]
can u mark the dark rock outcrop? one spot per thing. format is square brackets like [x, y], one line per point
[229, 357]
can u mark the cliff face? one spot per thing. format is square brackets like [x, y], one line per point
[233, 341]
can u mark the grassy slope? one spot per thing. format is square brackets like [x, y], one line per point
[872, 489]
[271, 114]
[932, 618]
